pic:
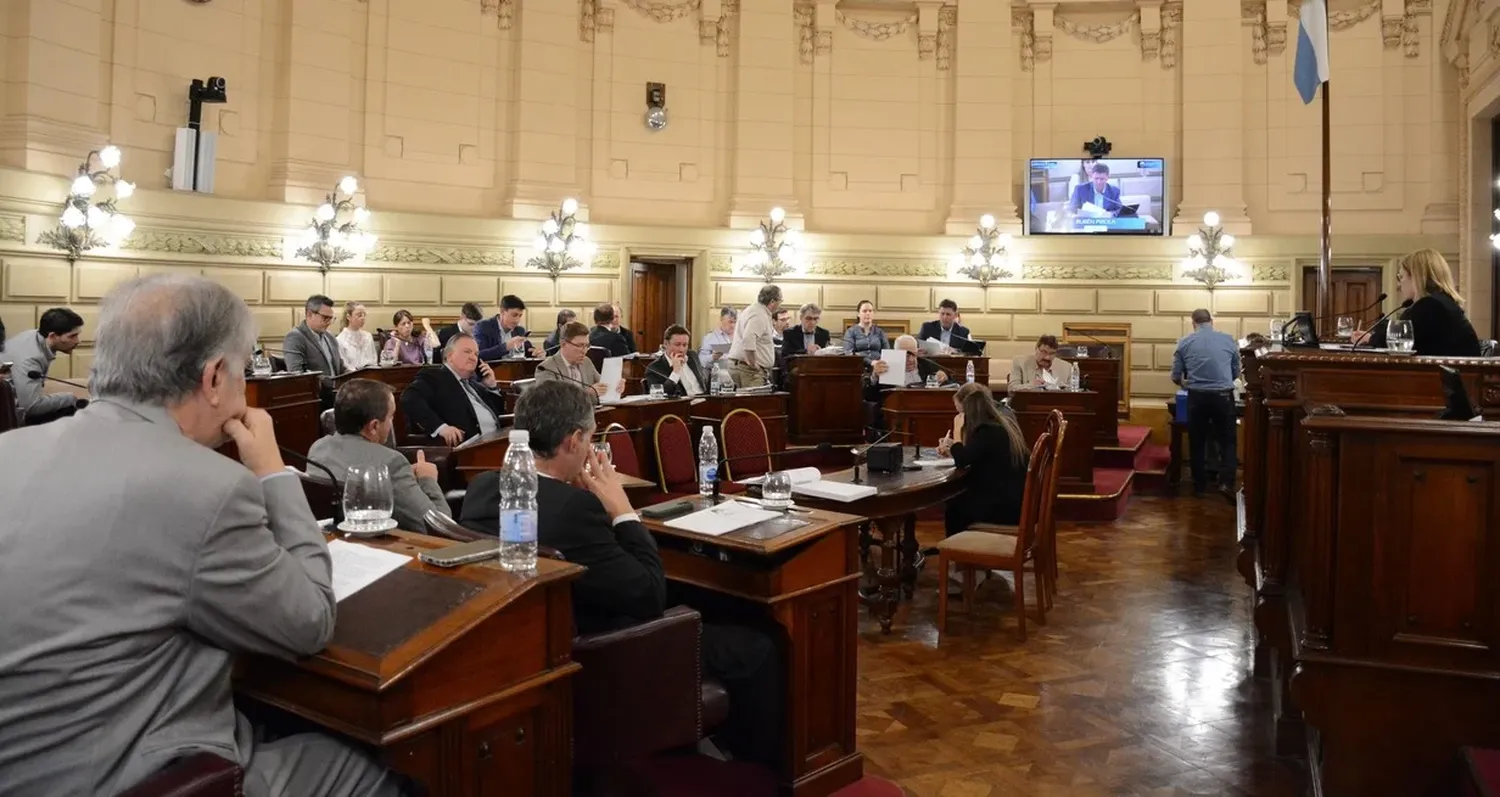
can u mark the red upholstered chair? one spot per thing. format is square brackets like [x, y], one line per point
[746, 444]
[676, 462]
[196, 775]
[622, 450]
[9, 418]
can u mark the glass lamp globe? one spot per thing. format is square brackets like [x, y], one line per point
[1195, 241]
[757, 236]
[1226, 242]
[110, 156]
[1005, 240]
[83, 185]
[987, 221]
[124, 190]
[549, 227]
[777, 215]
[325, 212]
[1211, 219]
[569, 206]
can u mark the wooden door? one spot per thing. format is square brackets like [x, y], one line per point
[1354, 289]
[653, 301]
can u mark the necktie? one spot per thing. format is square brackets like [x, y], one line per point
[476, 399]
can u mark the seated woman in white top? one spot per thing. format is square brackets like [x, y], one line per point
[356, 346]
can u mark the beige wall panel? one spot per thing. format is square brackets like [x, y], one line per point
[582, 291]
[36, 279]
[1141, 356]
[1181, 301]
[1031, 327]
[541, 290]
[404, 290]
[273, 323]
[1157, 328]
[1125, 301]
[1025, 300]
[902, 297]
[1007, 351]
[970, 299]
[796, 294]
[354, 286]
[18, 317]
[293, 287]
[1068, 300]
[1242, 302]
[1282, 303]
[1261, 325]
[246, 283]
[90, 316]
[841, 297]
[738, 295]
[1152, 383]
[93, 280]
[460, 288]
[1162, 354]
[989, 327]
[75, 366]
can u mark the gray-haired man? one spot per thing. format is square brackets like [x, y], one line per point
[161, 561]
[722, 336]
[753, 351]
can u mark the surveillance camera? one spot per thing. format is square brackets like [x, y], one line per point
[1099, 147]
[211, 90]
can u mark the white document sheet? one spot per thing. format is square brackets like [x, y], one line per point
[614, 368]
[722, 519]
[834, 491]
[944, 462]
[799, 476]
[895, 367]
[358, 566]
[931, 346]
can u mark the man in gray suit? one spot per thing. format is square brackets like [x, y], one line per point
[131, 583]
[571, 363]
[32, 352]
[363, 414]
[309, 347]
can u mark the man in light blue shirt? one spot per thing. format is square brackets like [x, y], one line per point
[1206, 364]
[723, 336]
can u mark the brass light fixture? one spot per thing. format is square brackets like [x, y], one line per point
[774, 248]
[562, 242]
[336, 233]
[88, 221]
[986, 258]
[1209, 260]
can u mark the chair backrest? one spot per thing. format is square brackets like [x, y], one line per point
[1057, 427]
[9, 418]
[1036, 487]
[622, 450]
[521, 385]
[743, 434]
[596, 355]
[676, 465]
[278, 363]
[1487, 348]
[325, 423]
[323, 496]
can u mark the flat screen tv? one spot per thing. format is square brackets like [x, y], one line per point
[1097, 196]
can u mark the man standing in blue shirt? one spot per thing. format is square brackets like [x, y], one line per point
[1206, 364]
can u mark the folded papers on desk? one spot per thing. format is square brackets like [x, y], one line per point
[358, 566]
[834, 491]
[722, 519]
[799, 476]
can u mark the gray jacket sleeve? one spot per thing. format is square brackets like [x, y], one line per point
[293, 350]
[413, 496]
[263, 581]
[31, 396]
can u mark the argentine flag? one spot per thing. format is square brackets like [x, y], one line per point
[1311, 68]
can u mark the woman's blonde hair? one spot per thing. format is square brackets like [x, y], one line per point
[349, 311]
[1431, 274]
[978, 406]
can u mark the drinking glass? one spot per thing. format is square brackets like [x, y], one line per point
[368, 497]
[658, 392]
[1082, 353]
[776, 490]
[603, 448]
[387, 357]
[1345, 327]
[932, 380]
[1399, 337]
[260, 364]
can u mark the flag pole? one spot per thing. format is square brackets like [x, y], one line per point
[1325, 249]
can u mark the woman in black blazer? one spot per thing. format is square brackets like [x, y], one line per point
[990, 445]
[1438, 322]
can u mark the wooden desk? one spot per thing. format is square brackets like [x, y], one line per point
[1102, 375]
[1077, 456]
[513, 369]
[771, 407]
[956, 365]
[292, 401]
[1285, 386]
[918, 416]
[1393, 621]
[893, 511]
[414, 671]
[397, 376]
[805, 581]
[827, 398]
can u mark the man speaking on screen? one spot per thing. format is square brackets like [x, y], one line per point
[1104, 198]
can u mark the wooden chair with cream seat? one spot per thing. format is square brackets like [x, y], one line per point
[1046, 542]
[990, 551]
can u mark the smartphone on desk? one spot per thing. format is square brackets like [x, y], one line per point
[464, 553]
[668, 511]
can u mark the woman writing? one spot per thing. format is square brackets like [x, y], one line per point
[1438, 323]
[990, 445]
[408, 347]
[356, 346]
[864, 338]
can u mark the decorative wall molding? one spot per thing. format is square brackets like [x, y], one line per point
[184, 242]
[876, 268]
[947, 22]
[1098, 34]
[1341, 19]
[662, 10]
[13, 228]
[433, 254]
[877, 31]
[804, 17]
[505, 12]
[720, 264]
[721, 27]
[1171, 25]
[1161, 271]
[1267, 38]
[1025, 22]
[1270, 274]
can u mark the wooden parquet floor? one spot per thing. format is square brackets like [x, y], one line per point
[1139, 684]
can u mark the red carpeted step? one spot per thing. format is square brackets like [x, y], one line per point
[1112, 489]
[1481, 776]
[1153, 458]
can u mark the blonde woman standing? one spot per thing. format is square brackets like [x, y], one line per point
[356, 346]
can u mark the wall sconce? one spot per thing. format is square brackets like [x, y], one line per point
[985, 258]
[656, 106]
[1209, 260]
[1495, 239]
[562, 242]
[773, 248]
[88, 222]
[329, 241]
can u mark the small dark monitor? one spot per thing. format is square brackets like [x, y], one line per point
[1300, 332]
[1456, 397]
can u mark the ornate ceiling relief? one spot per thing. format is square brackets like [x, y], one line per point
[598, 16]
[434, 254]
[1157, 26]
[1267, 37]
[1023, 20]
[1171, 27]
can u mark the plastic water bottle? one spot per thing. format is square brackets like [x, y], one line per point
[708, 461]
[427, 350]
[969, 373]
[1073, 379]
[518, 505]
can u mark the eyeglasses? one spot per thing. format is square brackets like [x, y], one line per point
[326, 316]
[575, 344]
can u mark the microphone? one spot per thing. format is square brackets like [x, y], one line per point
[40, 375]
[940, 367]
[338, 503]
[1370, 334]
[568, 377]
[1381, 298]
[824, 446]
[1110, 350]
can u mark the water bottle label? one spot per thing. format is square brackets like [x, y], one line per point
[708, 473]
[517, 525]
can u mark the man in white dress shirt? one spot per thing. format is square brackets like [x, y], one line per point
[723, 336]
[677, 371]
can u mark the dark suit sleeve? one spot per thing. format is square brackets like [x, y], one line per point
[481, 509]
[292, 351]
[926, 331]
[418, 401]
[625, 575]
[629, 338]
[793, 342]
[492, 398]
[488, 337]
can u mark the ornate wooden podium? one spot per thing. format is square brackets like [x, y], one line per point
[1077, 455]
[826, 399]
[293, 403]
[918, 416]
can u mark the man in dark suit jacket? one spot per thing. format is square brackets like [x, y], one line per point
[457, 401]
[503, 334]
[1097, 190]
[583, 513]
[945, 328]
[677, 370]
[806, 337]
[468, 319]
[606, 338]
[619, 329]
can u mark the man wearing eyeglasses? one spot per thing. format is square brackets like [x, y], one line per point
[309, 347]
[571, 362]
[807, 337]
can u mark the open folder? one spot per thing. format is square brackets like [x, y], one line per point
[809, 482]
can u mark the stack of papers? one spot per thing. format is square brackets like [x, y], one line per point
[722, 519]
[614, 369]
[799, 476]
[935, 462]
[834, 491]
[358, 566]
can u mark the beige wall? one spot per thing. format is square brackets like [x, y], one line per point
[885, 128]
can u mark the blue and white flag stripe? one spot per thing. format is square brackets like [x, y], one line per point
[1311, 68]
